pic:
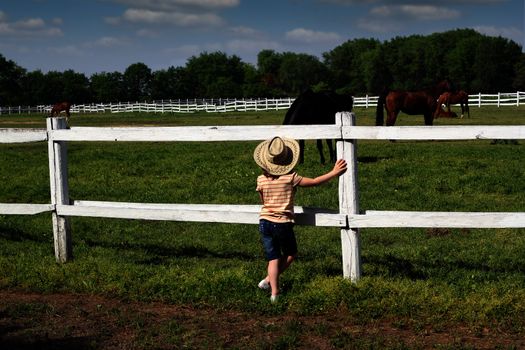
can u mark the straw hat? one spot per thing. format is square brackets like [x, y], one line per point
[278, 156]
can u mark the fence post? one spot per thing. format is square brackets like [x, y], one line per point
[59, 191]
[349, 200]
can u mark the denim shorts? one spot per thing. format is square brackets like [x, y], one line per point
[278, 239]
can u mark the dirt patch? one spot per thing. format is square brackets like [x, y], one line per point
[51, 321]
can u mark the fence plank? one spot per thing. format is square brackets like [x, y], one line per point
[196, 133]
[439, 219]
[458, 132]
[24, 209]
[305, 132]
[13, 135]
[240, 214]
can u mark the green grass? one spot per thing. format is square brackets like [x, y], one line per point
[422, 277]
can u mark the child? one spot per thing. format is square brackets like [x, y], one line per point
[277, 157]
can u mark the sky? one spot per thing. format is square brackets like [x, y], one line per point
[94, 36]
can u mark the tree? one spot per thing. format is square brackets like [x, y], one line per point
[215, 75]
[375, 73]
[34, 87]
[253, 83]
[268, 65]
[299, 72]
[11, 76]
[54, 87]
[137, 82]
[346, 65]
[107, 87]
[76, 87]
[519, 79]
[494, 64]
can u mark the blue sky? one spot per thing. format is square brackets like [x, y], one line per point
[92, 36]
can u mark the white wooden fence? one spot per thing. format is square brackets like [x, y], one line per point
[347, 218]
[239, 105]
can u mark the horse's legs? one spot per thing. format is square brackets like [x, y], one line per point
[320, 148]
[331, 150]
[429, 118]
[301, 151]
[391, 117]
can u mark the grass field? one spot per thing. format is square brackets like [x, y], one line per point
[419, 279]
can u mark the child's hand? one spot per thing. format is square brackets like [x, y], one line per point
[340, 166]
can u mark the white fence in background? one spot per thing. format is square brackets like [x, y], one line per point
[347, 218]
[239, 105]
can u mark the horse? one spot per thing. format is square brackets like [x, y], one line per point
[445, 114]
[317, 108]
[448, 98]
[61, 107]
[410, 102]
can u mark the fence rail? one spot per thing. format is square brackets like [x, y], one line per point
[347, 218]
[238, 105]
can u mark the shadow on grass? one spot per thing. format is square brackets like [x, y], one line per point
[18, 235]
[159, 255]
[394, 266]
[371, 159]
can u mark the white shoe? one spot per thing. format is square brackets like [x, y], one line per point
[264, 284]
[274, 298]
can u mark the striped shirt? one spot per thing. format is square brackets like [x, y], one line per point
[278, 196]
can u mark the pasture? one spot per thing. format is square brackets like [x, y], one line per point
[420, 281]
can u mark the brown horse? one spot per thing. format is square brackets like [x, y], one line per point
[448, 98]
[445, 114]
[410, 102]
[61, 107]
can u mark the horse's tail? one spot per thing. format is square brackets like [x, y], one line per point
[380, 106]
[467, 109]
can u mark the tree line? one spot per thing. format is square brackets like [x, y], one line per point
[473, 61]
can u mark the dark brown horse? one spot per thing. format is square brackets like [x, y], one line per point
[448, 98]
[317, 108]
[61, 107]
[410, 102]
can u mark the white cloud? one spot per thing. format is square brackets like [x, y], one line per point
[245, 31]
[29, 24]
[147, 33]
[108, 41]
[311, 36]
[176, 5]
[70, 50]
[31, 27]
[417, 12]
[174, 18]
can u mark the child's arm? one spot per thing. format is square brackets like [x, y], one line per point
[339, 168]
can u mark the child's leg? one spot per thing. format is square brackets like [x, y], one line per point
[285, 262]
[273, 275]
[275, 268]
